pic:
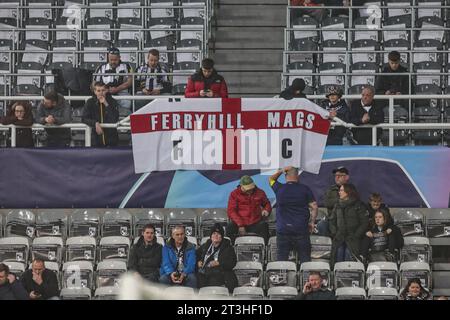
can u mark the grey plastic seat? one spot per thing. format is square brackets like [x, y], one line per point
[166, 9]
[416, 249]
[101, 9]
[303, 45]
[350, 293]
[410, 221]
[367, 46]
[363, 32]
[305, 28]
[209, 217]
[250, 248]
[117, 223]
[48, 249]
[349, 274]
[414, 269]
[432, 28]
[196, 23]
[281, 293]
[109, 272]
[185, 217]
[99, 29]
[78, 274]
[75, 294]
[161, 27]
[9, 9]
[190, 8]
[130, 9]
[281, 273]
[249, 273]
[20, 223]
[382, 274]
[179, 293]
[94, 54]
[213, 292]
[84, 223]
[331, 73]
[248, 293]
[395, 28]
[63, 54]
[106, 293]
[156, 217]
[51, 223]
[34, 51]
[428, 73]
[441, 279]
[30, 85]
[382, 294]
[361, 73]
[320, 248]
[188, 50]
[337, 25]
[14, 249]
[438, 232]
[425, 50]
[34, 29]
[334, 51]
[114, 248]
[81, 248]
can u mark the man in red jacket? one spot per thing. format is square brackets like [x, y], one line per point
[206, 83]
[247, 206]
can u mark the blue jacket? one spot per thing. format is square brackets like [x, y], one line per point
[169, 258]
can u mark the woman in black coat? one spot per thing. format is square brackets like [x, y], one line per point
[216, 260]
[20, 114]
[383, 238]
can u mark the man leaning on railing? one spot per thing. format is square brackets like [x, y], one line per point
[102, 108]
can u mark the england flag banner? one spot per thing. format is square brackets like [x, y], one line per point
[228, 134]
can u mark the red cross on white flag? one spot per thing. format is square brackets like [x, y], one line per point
[230, 134]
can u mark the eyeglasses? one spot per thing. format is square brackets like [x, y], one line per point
[19, 111]
[340, 175]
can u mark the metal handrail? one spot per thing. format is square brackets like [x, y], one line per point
[124, 124]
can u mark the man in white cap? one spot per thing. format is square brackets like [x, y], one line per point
[247, 206]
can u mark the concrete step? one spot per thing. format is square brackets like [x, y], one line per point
[249, 38]
[248, 60]
[252, 15]
[252, 82]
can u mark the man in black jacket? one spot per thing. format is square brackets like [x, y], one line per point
[314, 289]
[10, 289]
[53, 111]
[366, 111]
[102, 108]
[295, 90]
[393, 84]
[40, 283]
[146, 254]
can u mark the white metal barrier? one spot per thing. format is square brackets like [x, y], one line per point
[125, 125]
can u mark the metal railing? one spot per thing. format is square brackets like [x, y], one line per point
[124, 124]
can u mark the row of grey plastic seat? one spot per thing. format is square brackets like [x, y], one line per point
[108, 222]
[113, 9]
